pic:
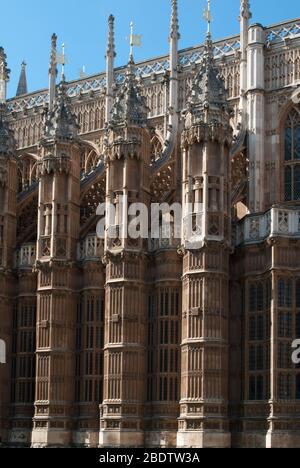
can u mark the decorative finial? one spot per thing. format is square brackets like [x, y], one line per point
[53, 58]
[63, 63]
[62, 60]
[111, 36]
[174, 28]
[4, 71]
[245, 9]
[82, 72]
[208, 50]
[110, 63]
[52, 70]
[208, 18]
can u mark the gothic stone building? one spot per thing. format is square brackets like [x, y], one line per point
[129, 342]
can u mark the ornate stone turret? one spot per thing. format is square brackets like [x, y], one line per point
[58, 231]
[207, 129]
[127, 179]
[206, 238]
[8, 223]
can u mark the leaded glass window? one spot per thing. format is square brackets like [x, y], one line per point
[292, 156]
[284, 293]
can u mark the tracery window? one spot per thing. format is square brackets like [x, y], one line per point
[156, 149]
[163, 345]
[292, 156]
[24, 346]
[288, 327]
[89, 348]
[258, 325]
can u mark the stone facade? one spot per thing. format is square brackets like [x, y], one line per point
[149, 342]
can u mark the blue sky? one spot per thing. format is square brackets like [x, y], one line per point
[26, 27]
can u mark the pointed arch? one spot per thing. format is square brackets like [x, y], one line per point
[290, 154]
[156, 148]
[27, 165]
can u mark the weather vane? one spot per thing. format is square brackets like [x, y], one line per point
[82, 72]
[135, 39]
[63, 61]
[207, 16]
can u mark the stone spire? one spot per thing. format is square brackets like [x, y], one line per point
[60, 123]
[174, 26]
[52, 71]
[22, 86]
[130, 106]
[110, 60]
[4, 75]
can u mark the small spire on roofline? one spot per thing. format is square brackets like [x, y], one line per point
[22, 86]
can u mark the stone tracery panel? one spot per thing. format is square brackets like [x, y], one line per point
[27, 165]
[27, 221]
[282, 68]
[162, 184]
[156, 148]
[89, 161]
[91, 200]
[239, 176]
[28, 130]
[90, 115]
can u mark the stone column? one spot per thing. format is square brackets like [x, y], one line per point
[256, 117]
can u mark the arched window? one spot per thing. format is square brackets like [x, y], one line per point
[156, 149]
[292, 156]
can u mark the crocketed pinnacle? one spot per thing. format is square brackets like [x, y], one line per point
[208, 90]
[129, 107]
[53, 58]
[111, 37]
[4, 70]
[174, 26]
[60, 123]
[245, 9]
